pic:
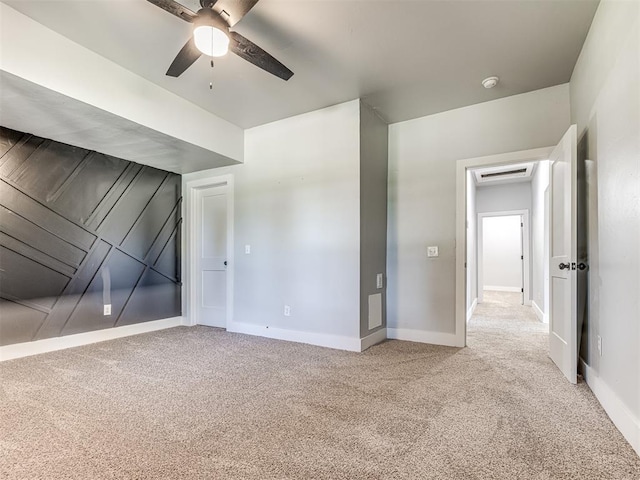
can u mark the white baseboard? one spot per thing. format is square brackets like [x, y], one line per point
[422, 336]
[18, 350]
[502, 289]
[472, 309]
[622, 418]
[370, 340]
[338, 342]
[543, 317]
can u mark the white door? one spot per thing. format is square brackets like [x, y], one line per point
[563, 337]
[211, 248]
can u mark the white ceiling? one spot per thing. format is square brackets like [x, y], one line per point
[405, 58]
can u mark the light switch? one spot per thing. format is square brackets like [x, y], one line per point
[432, 251]
[247, 249]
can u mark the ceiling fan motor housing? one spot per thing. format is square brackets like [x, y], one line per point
[210, 18]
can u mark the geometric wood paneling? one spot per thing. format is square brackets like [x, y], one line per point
[121, 273]
[79, 229]
[92, 182]
[166, 262]
[42, 174]
[37, 237]
[131, 205]
[20, 203]
[23, 279]
[152, 297]
[140, 238]
[19, 323]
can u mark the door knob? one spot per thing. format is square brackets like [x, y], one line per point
[582, 266]
[225, 263]
[564, 266]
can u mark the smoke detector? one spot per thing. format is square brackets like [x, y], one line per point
[490, 82]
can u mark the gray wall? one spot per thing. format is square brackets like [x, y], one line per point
[374, 141]
[79, 229]
[605, 104]
[422, 193]
[297, 203]
[497, 198]
[540, 237]
[311, 200]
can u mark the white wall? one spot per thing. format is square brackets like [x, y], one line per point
[297, 200]
[422, 193]
[605, 104]
[500, 198]
[540, 240]
[501, 251]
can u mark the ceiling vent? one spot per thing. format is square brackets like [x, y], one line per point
[502, 174]
[521, 172]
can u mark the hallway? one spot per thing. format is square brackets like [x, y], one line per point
[503, 311]
[553, 419]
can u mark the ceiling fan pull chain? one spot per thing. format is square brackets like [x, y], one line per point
[211, 82]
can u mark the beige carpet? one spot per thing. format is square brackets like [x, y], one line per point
[199, 403]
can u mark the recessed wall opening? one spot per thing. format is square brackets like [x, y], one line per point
[501, 255]
[507, 250]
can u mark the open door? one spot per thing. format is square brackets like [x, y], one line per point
[563, 335]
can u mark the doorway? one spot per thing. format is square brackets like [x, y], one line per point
[562, 307]
[503, 254]
[468, 224]
[210, 251]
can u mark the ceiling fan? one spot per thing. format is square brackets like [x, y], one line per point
[212, 35]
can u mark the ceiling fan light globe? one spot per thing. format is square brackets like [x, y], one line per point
[211, 41]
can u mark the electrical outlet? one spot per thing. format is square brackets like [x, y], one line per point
[247, 249]
[107, 309]
[287, 311]
[599, 345]
[379, 280]
[432, 251]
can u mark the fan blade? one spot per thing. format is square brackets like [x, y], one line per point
[185, 58]
[236, 9]
[254, 54]
[175, 8]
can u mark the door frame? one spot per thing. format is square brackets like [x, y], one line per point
[526, 267]
[192, 190]
[462, 166]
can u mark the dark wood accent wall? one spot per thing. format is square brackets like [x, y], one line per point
[79, 229]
